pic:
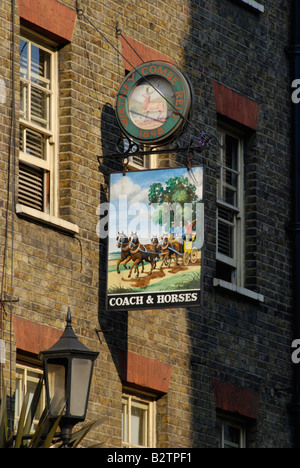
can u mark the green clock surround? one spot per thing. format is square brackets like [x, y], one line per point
[153, 103]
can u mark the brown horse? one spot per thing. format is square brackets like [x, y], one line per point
[140, 253]
[123, 242]
[169, 249]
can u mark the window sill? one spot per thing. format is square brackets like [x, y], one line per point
[239, 290]
[45, 218]
[254, 4]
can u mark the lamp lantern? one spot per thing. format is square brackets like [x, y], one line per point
[68, 368]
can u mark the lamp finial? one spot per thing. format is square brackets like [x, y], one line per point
[69, 320]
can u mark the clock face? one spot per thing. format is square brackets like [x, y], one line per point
[153, 103]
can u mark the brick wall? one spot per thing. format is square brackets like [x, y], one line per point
[231, 339]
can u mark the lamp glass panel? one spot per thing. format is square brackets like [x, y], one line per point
[80, 379]
[57, 385]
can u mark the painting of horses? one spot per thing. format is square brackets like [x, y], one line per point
[155, 230]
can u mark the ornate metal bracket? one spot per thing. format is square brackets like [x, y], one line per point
[127, 148]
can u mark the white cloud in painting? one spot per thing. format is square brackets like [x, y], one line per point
[134, 192]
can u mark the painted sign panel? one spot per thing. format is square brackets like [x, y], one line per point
[155, 231]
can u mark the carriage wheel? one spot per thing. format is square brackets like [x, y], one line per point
[194, 255]
[186, 257]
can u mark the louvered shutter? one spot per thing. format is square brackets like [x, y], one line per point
[31, 187]
[225, 232]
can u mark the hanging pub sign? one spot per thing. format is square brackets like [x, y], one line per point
[153, 103]
[155, 230]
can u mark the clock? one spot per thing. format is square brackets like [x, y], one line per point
[153, 103]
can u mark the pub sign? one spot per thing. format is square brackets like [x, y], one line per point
[155, 230]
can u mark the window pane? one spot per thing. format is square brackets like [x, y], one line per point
[229, 171]
[19, 395]
[226, 215]
[24, 101]
[231, 158]
[137, 422]
[139, 160]
[35, 144]
[138, 426]
[24, 59]
[231, 434]
[230, 195]
[26, 382]
[39, 107]
[40, 66]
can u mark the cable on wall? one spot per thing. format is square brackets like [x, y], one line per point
[9, 230]
[80, 13]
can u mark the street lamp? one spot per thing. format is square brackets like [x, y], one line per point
[68, 367]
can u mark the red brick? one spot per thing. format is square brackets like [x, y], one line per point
[34, 337]
[144, 372]
[235, 106]
[136, 53]
[234, 399]
[48, 17]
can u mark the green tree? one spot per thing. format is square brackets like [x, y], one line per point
[177, 195]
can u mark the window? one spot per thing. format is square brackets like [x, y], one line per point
[27, 379]
[140, 161]
[143, 161]
[138, 421]
[230, 222]
[38, 122]
[231, 435]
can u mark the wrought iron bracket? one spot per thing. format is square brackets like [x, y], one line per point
[127, 148]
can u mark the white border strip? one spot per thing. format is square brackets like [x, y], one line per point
[254, 4]
[243, 291]
[47, 219]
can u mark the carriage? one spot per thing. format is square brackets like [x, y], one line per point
[184, 249]
[190, 251]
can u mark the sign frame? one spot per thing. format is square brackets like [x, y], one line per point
[148, 297]
[153, 103]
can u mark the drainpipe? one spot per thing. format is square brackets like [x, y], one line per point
[294, 54]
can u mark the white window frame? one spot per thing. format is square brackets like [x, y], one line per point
[236, 425]
[148, 405]
[23, 379]
[254, 4]
[50, 132]
[235, 262]
[141, 162]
